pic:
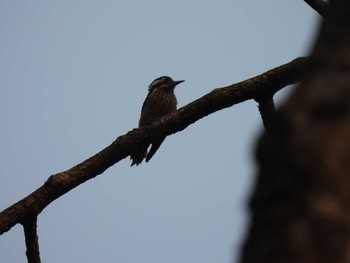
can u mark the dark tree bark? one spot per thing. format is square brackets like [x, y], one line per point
[319, 5]
[267, 111]
[300, 207]
[300, 204]
[220, 98]
[31, 238]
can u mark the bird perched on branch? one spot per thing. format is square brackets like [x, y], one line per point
[160, 101]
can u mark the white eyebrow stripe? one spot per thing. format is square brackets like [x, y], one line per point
[156, 82]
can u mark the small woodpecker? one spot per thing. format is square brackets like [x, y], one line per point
[160, 101]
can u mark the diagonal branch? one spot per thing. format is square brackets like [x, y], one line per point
[220, 98]
[319, 6]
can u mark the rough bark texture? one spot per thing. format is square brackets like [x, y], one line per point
[31, 238]
[301, 202]
[267, 111]
[220, 98]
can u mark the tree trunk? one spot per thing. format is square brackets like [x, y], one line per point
[301, 203]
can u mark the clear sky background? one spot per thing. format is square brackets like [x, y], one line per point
[73, 76]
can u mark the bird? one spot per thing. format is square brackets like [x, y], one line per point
[160, 101]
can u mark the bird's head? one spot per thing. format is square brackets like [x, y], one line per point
[165, 83]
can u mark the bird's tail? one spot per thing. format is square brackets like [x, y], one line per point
[155, 145]
[138, 157]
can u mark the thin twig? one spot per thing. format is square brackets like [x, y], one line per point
[31, 238]
[267, 111]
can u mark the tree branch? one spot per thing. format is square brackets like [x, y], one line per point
[267, 111]
[319, 6]
[220, 98]
[31, 237]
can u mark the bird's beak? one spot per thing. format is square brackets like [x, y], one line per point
[178, 82]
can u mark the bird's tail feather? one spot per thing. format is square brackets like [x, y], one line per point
[155, 146]
[138, 157]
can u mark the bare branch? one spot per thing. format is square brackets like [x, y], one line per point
[31, 237]
[267, 111]
[319, 6]
[220, 98]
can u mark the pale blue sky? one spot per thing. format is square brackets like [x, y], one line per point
[73, 76]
